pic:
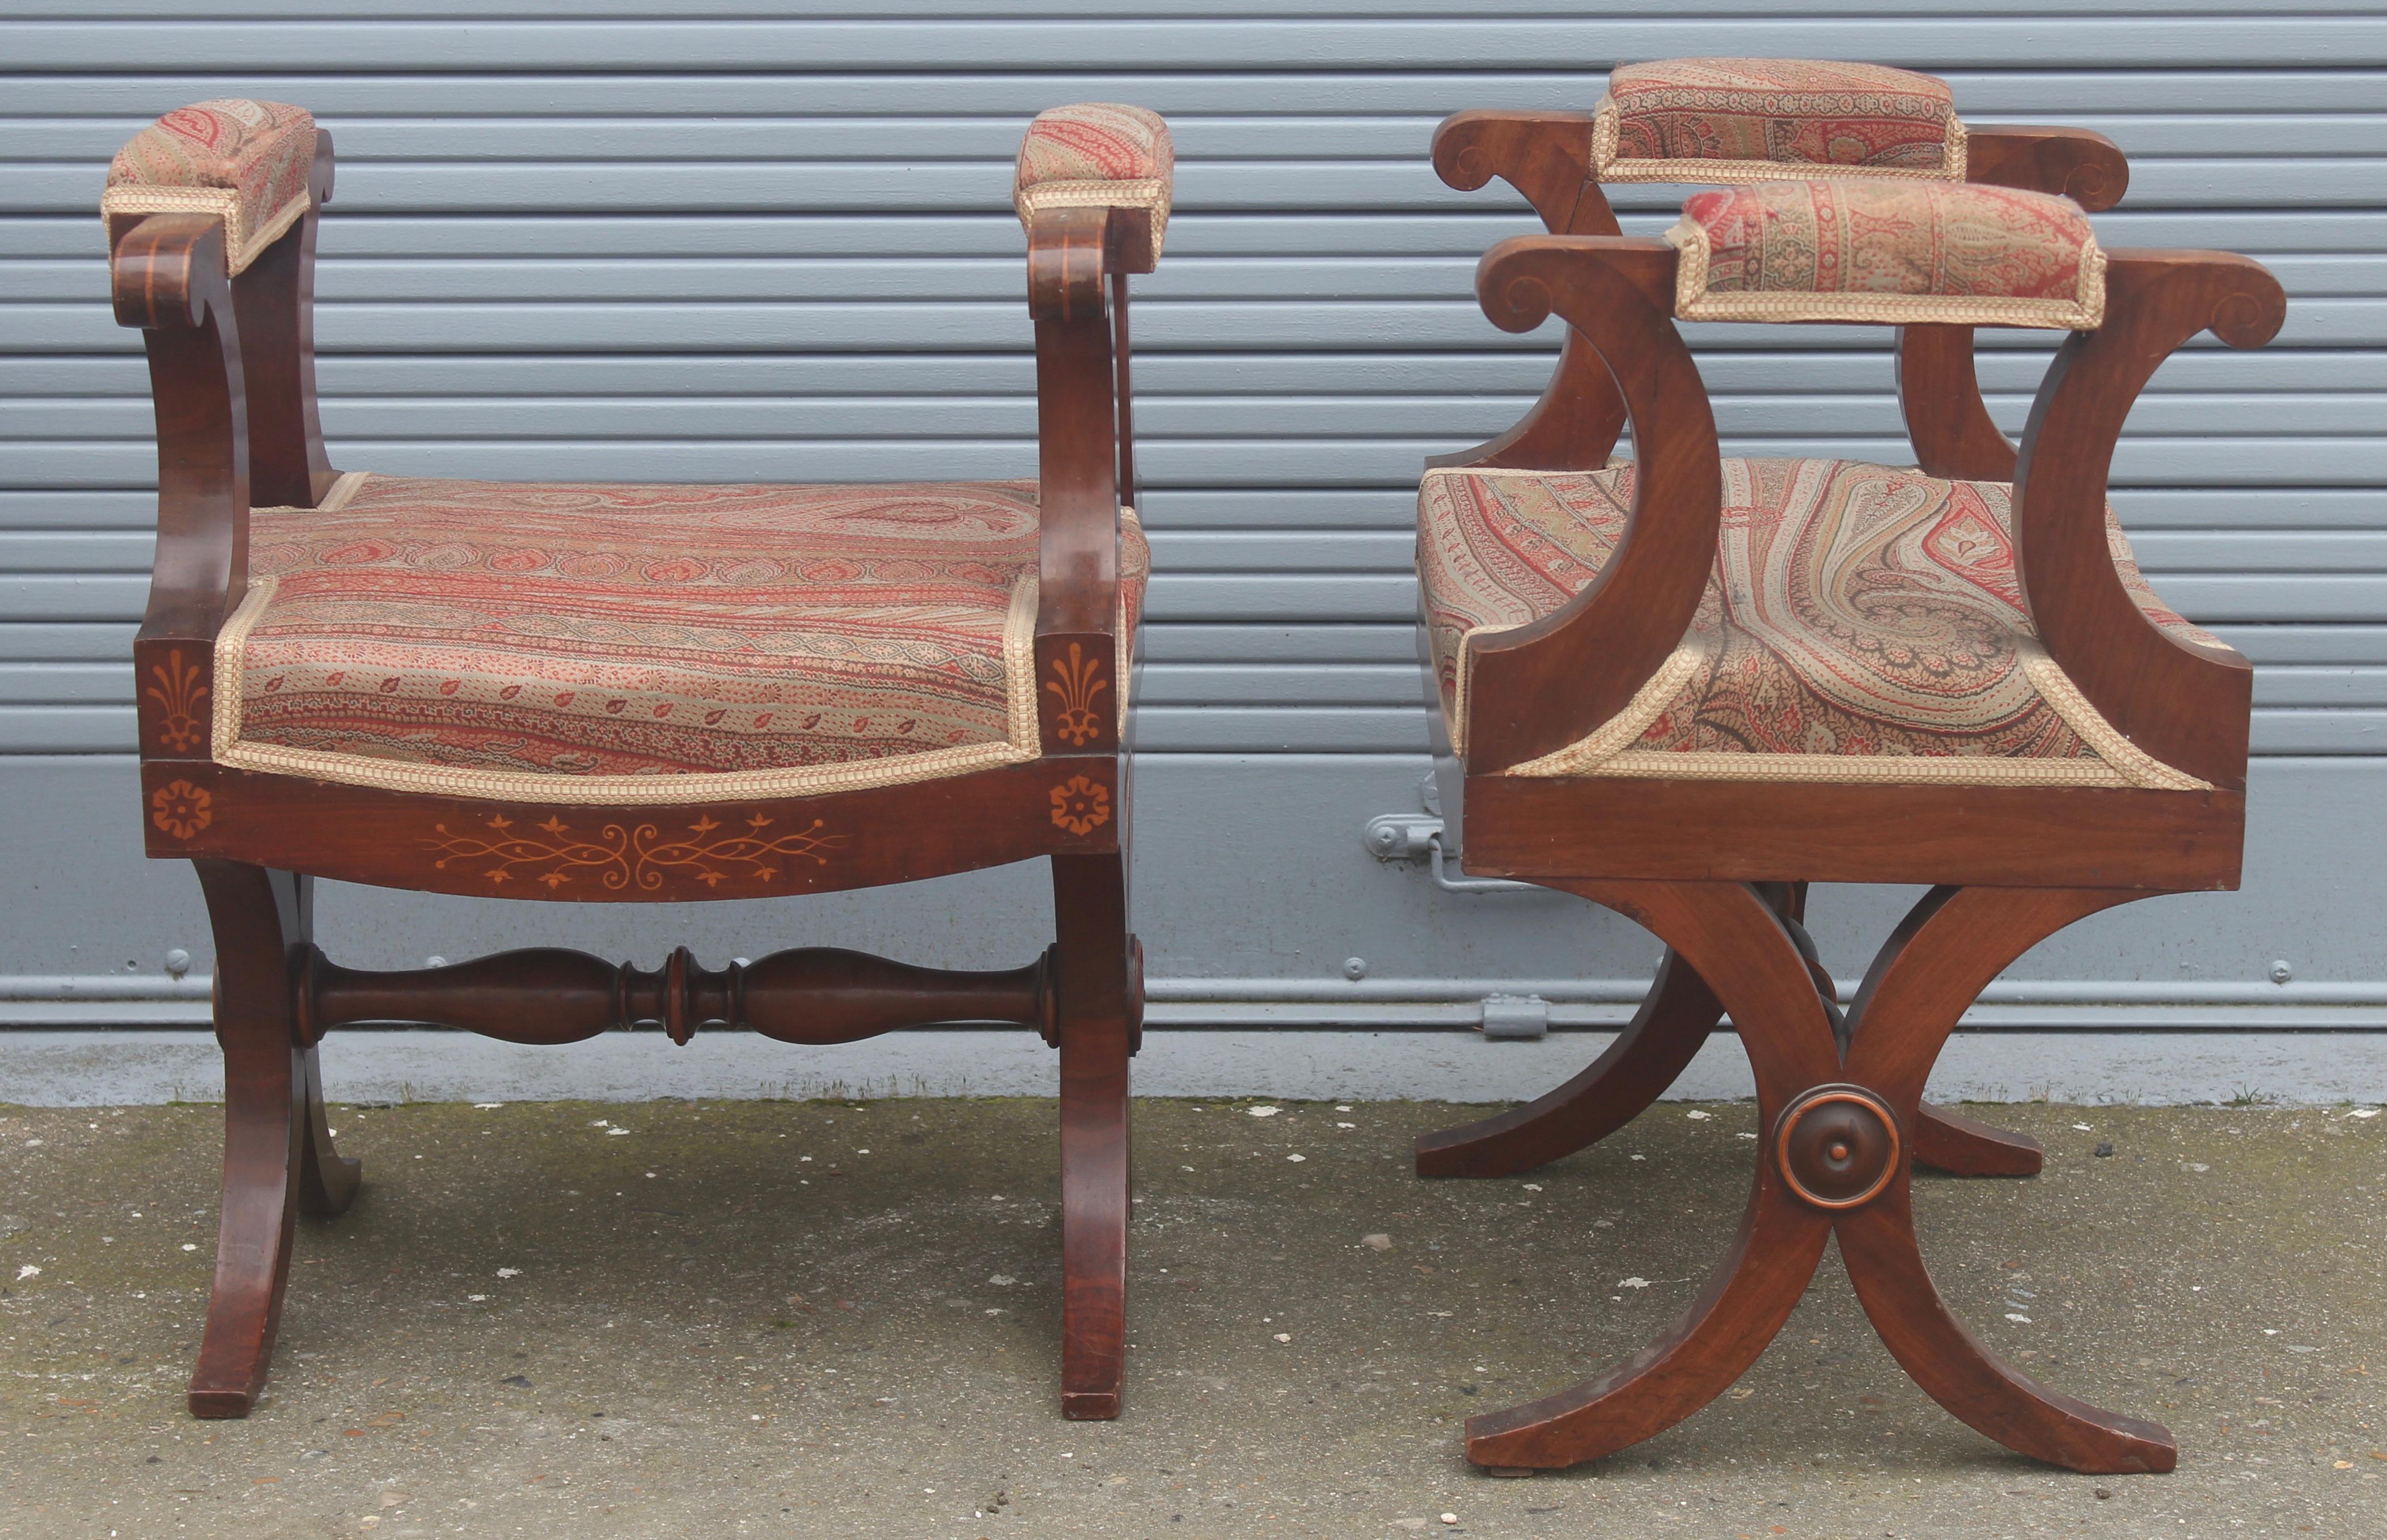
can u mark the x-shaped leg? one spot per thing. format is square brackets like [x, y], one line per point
[1834, 1159]
[1664, 1035]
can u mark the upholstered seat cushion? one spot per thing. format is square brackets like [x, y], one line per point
[246, 162]
[629, 643]
[1864, 623]
[1096, 154]
[1901, 252]
[1752, 120]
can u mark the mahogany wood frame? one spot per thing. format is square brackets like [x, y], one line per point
[232, 372]
[1547, 156]
[1719, 870]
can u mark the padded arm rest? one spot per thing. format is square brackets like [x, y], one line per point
[246, 163]
[1896, 252]
[1745, 120]
[1101, 155]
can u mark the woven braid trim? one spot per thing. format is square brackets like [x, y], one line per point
[1614, 462]
[1149, 194]
[1855, 770]
[1456, 721]
[2084, 313]
[1608, 166]
[2132, 763]
[1608, 752]
[1019, 664]
[1619, 733]
[241, 247]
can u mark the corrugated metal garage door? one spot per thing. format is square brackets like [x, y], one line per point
[775, 243]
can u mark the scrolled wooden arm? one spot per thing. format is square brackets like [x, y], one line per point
[167, 275]
[1940, 393]
[166, 270]
[1543, 685]
[276, 297]
[1947, 421]
[1077, 294]
[1068, 260]
[2079, 164]
[232, 372]
[1546, 156]
[2183, 702]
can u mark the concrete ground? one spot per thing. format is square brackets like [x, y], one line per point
[827, 1319]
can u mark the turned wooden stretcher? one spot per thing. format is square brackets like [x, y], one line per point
[642, 693]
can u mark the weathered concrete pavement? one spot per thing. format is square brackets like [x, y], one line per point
[818, 1319]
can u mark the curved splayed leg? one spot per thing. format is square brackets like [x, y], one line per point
[1676, 1018]
[1962, 1146]
[1648, 1057]
[1100, 1007]
[260, 918]
[327, 1180]
[1731, 934]
[1953, 943]
[1747, 1297]
[1877, 1242]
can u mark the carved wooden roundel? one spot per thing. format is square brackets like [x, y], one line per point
[1836, 1146]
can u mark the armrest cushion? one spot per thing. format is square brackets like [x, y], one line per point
[1895, 252]
[1097, 155]
[1760, 120]
[245, 162]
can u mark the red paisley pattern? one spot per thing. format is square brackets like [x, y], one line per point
[645, 630]
[1096, 154]
[259, 152]
[2030, 258]
[1094, 142]
[1806, 112]
[1854, 609]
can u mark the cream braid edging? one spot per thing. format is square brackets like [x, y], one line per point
[1619, 733]
[1607, 166]
[2140, 768]
[2118, 763]
[241, 246]
[1149, 194]
[511, 785]
[2083, 312]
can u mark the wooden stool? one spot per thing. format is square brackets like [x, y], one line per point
[1685, 687]
[1732, 120]
[624, 694]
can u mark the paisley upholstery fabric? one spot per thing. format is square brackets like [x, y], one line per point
[629, 643]
[1096, 154]
[1863, 623]
[1888, 251]
[246, 162]
[1757, 120]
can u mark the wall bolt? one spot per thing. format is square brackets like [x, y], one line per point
[1355, 968]
[178, 963]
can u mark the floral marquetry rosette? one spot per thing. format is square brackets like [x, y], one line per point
[1894, 252]
[1864, 623]
[246, 162]
[1096, 154]
[1759, 120]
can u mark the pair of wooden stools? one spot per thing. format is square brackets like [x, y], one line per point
[1683, 686]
